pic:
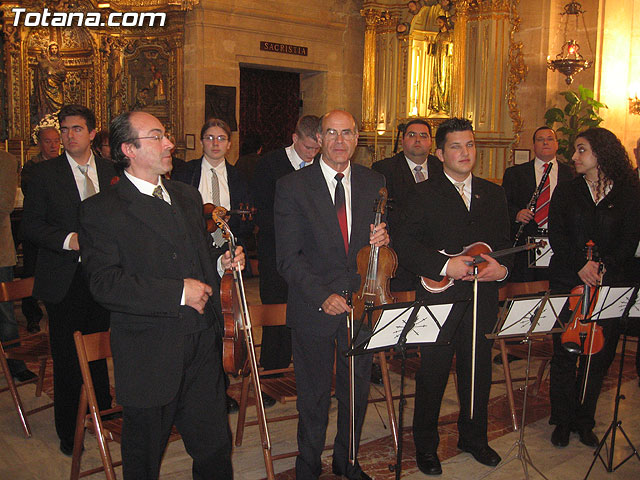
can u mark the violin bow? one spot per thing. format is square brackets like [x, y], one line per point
[593, 327]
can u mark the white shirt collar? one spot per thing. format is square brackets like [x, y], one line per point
[330, 174]
[147, 188]
[74, 165]
[540, 165]
[466, 181]
[294, 158]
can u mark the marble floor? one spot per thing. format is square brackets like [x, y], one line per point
[39, 458]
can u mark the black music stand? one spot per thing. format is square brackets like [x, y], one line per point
[409, 323]
[527, 317]
[616, 302]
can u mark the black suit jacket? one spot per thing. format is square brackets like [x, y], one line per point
[441, 221]
[309, 245]
[271, 167]
[519, 183]
[132, 259]
[612, 225]
[190, 172]
[50, 214]
[400, 185]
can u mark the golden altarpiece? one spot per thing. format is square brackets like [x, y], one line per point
[109, 70]
[442, 58]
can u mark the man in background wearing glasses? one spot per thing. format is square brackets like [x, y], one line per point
[402, 171]
[219, 183]
[56, 188]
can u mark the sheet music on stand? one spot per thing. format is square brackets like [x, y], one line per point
[612, 302]
[531, 316]
[541, 256]
[386, 334]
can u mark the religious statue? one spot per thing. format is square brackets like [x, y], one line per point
[157, 84]
[48, 81]
[112, 49]
[442, 51]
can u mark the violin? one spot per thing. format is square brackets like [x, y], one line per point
[238, 348]
[376, 266]
[581, 336]
[209, 209]
[475, 250]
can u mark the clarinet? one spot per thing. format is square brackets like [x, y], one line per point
[531, 206]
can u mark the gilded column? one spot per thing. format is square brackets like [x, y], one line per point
[459, 58]
[372, 18]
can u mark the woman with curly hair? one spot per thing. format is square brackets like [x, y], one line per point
[600, 204]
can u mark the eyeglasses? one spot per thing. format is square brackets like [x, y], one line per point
[423, 135]
[157, 138]
[347, 134]
[220, 138]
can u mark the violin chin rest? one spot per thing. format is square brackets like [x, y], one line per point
[572, 347]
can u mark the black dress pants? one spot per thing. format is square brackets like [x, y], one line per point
[567, 380]
[199, 411]
[431, 381]
[313, 362]
[76, 311]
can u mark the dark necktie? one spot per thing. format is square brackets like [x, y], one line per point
[157, 192]
[341, 210]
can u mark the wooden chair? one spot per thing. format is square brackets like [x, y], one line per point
[541, 350]
[91, 347]
[30, 348]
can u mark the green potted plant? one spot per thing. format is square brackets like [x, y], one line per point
[579, 113]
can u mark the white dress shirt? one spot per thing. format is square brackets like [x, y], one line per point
[294, 158]
[539, 167]
[223, 184]
[329, 177]
[78, 176]
[413, 165]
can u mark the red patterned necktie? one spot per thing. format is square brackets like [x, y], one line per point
[341, 210]
[542, 205]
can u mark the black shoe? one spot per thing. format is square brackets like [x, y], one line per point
[560, 435]
[359, 475]
[484, 454]
[33, 327]
[587, 437]
[376, 374]
[429, 463]
[232, 405]
[66, 448]
[267, 400]
[24, 376]
[510, 358]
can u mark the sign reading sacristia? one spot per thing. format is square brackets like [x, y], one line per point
[284, 48]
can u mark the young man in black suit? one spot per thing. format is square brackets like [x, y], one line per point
[276, 341]
[323, 217]
[56, 188]
[219, 183]
[152, 264]
[230, 189]
[402, 171]
[520, 183]
[452, 211]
